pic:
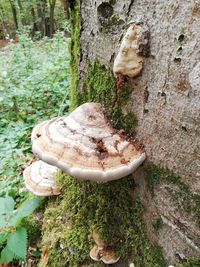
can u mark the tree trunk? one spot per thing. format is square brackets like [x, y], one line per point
[23, 20]
[14, 12]
[51, 22]
[66, 6]
[4, 28]
[33, 20]
[165, 98]
[41, 12]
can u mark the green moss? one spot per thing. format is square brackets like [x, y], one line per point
[74, 52]
[157, 224]
[196, 209]
[190, 263]
[179, 191]
[85, 206]
[100, 86]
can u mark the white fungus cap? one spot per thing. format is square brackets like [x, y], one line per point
[128, 61]
[85, 145]
[95, 253]
[39, 179]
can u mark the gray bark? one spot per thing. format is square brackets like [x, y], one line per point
[165, 99]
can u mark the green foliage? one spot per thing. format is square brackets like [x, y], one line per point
[109, 208]
[33, 84]
[13, 237]
[17, 243]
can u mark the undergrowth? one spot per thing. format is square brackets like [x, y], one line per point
[34, 85]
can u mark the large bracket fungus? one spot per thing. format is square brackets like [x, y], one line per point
[134, 46]
[39, 179]
[85, 145]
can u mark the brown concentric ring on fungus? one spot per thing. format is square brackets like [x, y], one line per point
[39, 179]
[85, 145]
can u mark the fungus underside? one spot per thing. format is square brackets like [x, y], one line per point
[83, 206]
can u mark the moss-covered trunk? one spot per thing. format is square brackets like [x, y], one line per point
[157, 213]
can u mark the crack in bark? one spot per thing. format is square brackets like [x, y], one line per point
[181, 234]
[129, 8]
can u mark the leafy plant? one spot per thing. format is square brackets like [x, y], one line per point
[13, 236]
[33, 86]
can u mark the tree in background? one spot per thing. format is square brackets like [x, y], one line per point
[39, 15]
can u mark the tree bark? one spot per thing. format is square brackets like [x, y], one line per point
[14, 12]
[23, 20]
[51, 22]
[35, 28]
[165, 99]
[5, 30]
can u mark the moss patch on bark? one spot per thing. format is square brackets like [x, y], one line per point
[74, 52]
[100, 86]
[111, 208]
[180, 191]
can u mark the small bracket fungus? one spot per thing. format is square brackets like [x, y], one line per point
[95, 253]
[102, 251]
[85, 145]
[39, 179]
[108, 256]
[135, 45]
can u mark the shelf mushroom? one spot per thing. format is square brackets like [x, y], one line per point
[39, 179]
[103, 251]
[108, 256]
[134, 46]
[84, 145]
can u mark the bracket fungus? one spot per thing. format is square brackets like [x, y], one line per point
[134, 46]
[84, 145]
[103, 251]
[108, 256]
[39, 179]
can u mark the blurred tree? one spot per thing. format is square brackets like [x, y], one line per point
[45, 16]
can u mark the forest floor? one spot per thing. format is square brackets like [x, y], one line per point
[34, 84]
[3, 43]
